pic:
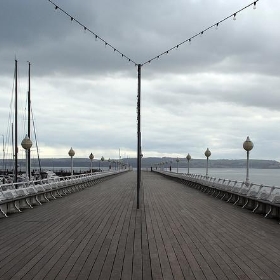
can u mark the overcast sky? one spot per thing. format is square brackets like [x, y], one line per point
[214, 92]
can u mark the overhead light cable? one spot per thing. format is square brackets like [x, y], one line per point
[189, 40]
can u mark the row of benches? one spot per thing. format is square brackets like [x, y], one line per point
[260, 199]
[14, 198]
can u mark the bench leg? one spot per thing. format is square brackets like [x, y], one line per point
[24, 203]
[27, 202]
[236, 200]
[229, 199]
[45, 196]
[36, 198]
[12, 207]
[218, 194]
[55, 194]
[256, 208]
[3, 213]
[246, 203]
[269, 212]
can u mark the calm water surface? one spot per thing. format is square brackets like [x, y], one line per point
[269, 177]
[259, 176]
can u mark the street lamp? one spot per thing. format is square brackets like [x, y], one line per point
[207, 154]
[248, 146]
[102, 159]
[109, 160]
[71, 153]
[177, 159]
[26, 145]
[3, 153]
[91, 157]
[188, 157]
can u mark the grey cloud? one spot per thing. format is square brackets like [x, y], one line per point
[208, 93]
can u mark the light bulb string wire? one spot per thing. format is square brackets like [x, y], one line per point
[93, 33]
[200, 33]
[163, 53]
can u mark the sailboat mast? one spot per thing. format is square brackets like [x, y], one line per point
[16, 125]
[28, 133]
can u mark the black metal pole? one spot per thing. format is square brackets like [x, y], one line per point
[139, 135]
[16, 136]
[29, 119]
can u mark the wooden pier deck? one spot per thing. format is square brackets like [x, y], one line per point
[179, 233]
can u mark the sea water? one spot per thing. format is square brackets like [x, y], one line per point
[269, 177]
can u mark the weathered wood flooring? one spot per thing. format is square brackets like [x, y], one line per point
[179, 233]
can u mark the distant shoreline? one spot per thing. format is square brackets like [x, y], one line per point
[62, 163]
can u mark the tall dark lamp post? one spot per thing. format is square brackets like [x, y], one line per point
[248, 146]
[3, 154]
[109, 161]
[102, 159]
[71, 153]
[188, 157]
[177, 160]
[26, 145]
[207, 154]
[91, 157]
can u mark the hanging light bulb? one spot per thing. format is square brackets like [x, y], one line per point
[201, 33]
[85, 29]
[55, 8]
[217, 25]
[255, 6]
[96, 38]
[234, 17]
[190, 41]
[72, 19]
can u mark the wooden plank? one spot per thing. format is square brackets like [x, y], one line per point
[146, 260]
[171, 254]
[175, 240]
[100, 261]
[154, 255]
[207, 255]
[137, 269]
[120, 253]
[161, 250]
[245, 254]
[109, 261]
[178, 233]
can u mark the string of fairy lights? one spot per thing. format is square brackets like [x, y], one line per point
[188, 40]
[216, 25]
[97, 37]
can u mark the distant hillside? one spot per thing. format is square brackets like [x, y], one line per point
[148, 162]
